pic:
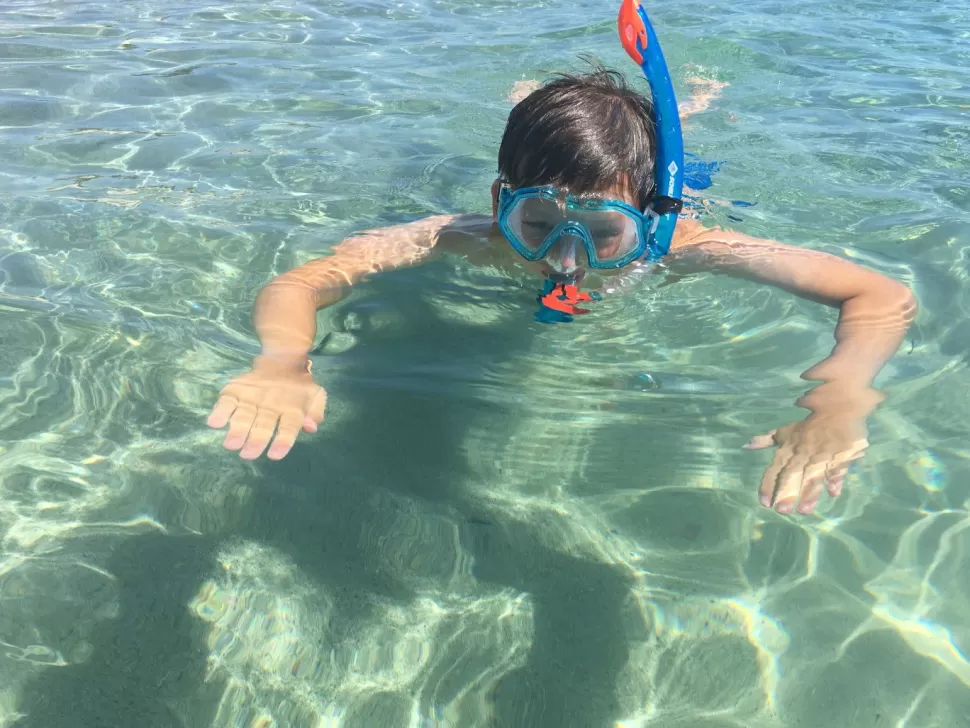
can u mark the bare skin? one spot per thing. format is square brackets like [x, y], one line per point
[279, 395]
[269, 405]
[703, 92]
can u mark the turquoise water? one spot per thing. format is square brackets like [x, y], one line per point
[500, 524]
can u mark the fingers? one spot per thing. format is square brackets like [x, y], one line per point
[239, 426]
[812, 485]
[834, 477]
[289, 428]
[222, 411]
[809, 460]
[792, 480]
[252, 425]
[769, 482]
[252, 442]
[760, 442]
[789, 485]
[314, 415]
[261, 432]
[836, 470]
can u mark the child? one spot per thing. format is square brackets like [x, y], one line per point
[591, 143]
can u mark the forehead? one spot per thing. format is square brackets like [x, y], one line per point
[619, 190]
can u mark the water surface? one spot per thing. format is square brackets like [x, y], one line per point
[501, 523]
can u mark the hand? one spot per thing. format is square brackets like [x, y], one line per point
[278, 396]
[812, 454]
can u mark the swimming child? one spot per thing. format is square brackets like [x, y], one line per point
[589, 180]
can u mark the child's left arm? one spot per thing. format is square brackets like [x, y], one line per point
[874, 314]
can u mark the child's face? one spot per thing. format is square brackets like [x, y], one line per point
[568, 256]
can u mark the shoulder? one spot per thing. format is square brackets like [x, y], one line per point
[698, 246]
[471, 224]
[436, 226]
[805, 271]
[426, 232]
[432, 224]
[690, 235]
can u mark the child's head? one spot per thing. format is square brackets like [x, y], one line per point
[586, 134]
[592, 139]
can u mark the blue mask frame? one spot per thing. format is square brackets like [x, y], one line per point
[646, 222]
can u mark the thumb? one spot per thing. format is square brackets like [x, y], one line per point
[760, 442]
[314, 415]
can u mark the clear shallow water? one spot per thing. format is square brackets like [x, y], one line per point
[501, 524]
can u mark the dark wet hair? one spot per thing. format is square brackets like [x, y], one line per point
[581, 132]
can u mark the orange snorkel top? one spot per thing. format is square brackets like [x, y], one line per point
[563, 297]
[631, 28]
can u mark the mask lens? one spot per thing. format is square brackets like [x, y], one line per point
[608, 230]
[532, 219]
[614, 234]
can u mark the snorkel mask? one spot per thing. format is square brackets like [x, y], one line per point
[612, 233]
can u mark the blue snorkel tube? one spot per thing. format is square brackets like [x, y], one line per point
[640, 42]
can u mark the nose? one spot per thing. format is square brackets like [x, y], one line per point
[570, 252]
[567, 252]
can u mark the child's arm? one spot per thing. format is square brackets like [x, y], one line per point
[279, 393]
[703, 92]
[284, 314]
[874, 314]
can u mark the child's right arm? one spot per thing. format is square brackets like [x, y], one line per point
[279, 394]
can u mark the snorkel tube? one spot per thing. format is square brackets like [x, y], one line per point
[640, 42]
